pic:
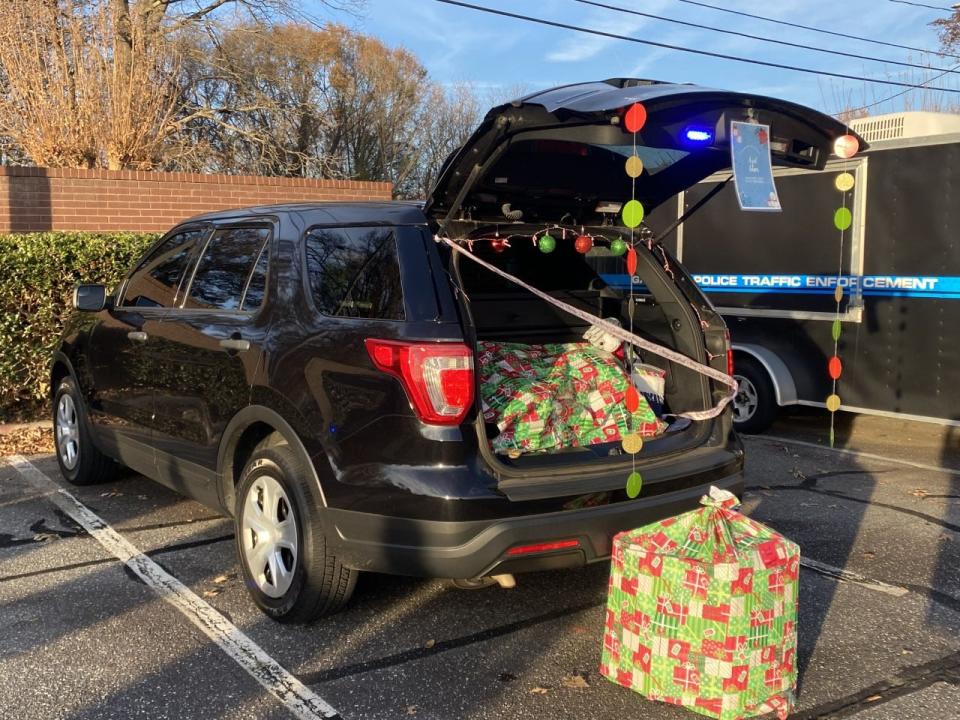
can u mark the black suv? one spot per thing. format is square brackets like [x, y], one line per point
[309, 369]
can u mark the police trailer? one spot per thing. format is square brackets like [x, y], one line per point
[773, 276]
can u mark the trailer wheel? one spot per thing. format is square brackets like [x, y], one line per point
[755, 406]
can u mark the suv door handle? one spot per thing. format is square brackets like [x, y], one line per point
[137, 335]
[235, 344]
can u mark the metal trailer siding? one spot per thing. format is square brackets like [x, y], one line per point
[899, 348]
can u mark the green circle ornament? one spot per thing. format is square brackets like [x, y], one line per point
[618, 247]
[634, 484]
[547, 243]
[842, 219]
[835, 330]
[632, 213]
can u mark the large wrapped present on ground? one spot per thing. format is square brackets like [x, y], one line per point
[554, 396]
[702, 612]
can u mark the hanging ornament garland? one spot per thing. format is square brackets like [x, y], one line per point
[844, 147]
[632, 215]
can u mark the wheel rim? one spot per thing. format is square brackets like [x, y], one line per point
[746, 402]
[68, 432]
[269, 536]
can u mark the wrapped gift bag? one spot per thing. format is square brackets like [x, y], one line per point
[702, 612]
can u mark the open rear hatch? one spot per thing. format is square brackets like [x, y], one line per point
[558, 155]
[556, 158]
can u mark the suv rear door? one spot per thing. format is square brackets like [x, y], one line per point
[123, 359]
[209, 349]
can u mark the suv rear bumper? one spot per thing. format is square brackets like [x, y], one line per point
[430, 548]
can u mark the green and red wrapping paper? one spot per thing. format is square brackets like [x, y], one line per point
[553, 396]
[702, 612]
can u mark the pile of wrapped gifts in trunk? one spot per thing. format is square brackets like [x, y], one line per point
[702, 612]
[563, 395]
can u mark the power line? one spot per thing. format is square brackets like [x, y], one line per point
[846, 36]
[904, 92]
[923, 5]
[787, 43]
[680, 48]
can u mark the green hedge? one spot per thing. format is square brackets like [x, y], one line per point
[38, 272]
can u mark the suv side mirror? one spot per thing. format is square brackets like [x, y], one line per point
[90, 298]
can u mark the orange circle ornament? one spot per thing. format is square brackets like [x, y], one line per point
[635, 118]
[834, 367]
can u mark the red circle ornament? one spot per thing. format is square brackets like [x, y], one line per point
[846, 146]
[633, 399]
[834, 367]
[632, 261]
[499, 245]
[583, 244]
[635, 117]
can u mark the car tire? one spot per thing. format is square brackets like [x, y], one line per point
[292, 577]
[80, 461]
[755, 406]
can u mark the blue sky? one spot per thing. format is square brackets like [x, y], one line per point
[499, 55]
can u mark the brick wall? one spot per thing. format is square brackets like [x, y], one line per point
[34, 199]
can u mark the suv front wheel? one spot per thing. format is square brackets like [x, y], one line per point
[280, 541]
[81, 463]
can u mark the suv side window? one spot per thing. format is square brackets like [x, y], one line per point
[231, 272]
[158, 278]
[354, 272]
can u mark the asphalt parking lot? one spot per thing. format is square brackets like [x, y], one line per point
[84, 636]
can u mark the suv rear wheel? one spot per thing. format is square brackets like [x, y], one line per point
[81, 463]
[280, 541]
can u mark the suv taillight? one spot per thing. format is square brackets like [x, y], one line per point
[437, 377]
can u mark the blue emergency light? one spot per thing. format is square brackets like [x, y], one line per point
[698, 136]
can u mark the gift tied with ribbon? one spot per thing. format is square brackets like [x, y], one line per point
[619, 333]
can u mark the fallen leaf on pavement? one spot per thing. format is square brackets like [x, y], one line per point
[43, 537]
[539, 690]
[430, 643]
[212, 593]
[919, 492]
[411, 709]
[873, 698]
[220, 579]
[574, 681]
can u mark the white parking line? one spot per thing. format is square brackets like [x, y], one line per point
[855, 453]
[297, 697]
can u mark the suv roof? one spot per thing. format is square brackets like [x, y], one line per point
[329, 213]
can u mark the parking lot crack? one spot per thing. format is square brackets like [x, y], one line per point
[905, 682]
[440, 646]
[843, 496]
